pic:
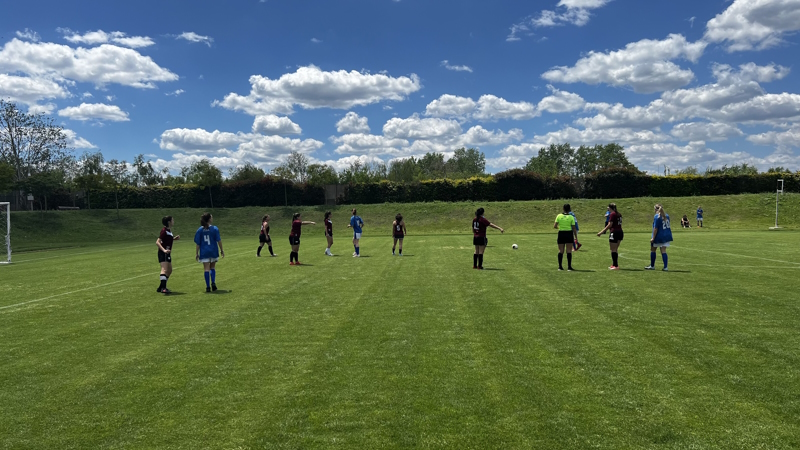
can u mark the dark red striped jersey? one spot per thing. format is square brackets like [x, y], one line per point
[265, 228]
[297, 226]
[329, 226]
[479, 226]
[615, 219]
[166, 238]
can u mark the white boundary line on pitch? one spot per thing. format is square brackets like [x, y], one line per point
[91, 287]
[74, 254]
[737, 255]
[724, 266]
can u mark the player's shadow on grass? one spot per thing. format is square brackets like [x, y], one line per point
[173, 293]
[493, 268]
[632, 270]
[679, 271]
[306, 265]
[584, 271]
[220, 292]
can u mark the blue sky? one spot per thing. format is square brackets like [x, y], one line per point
[678, 83]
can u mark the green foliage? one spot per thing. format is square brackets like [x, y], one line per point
[203, 174]
[563, 160]
[247, 172]
[295, 169]
[145, 174]
[322, 174]
[404, 170]
[7, 177]
[742, 169]
[359, 172]
[90, 174]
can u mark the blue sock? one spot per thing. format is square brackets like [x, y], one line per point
[664, 258]
[214, 276]
[208, 279]
[358, 250]
[652, 259]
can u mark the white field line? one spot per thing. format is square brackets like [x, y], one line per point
[736, 255]
[94, 287]
[74, 254]
[724, 266]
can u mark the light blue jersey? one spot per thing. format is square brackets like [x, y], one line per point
[608, 214]
[576, 221]
[663, 230]
[207, 239]
[356, 223]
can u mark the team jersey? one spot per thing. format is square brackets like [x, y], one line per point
[479, 226]
[576, 221]
[565, 222]
[398, 228]
[297, 228]
[356, 223]
[615, 219]
[608, 213]
[166, 238]
[663, 232]
[700, 213]
[329, 226]
[265, 228]
[207, 239]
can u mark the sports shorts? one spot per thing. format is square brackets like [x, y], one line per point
[479, 241]
[356, 235]
[264, 239]
[164, 257]
[209, 260]
[294, 240]
[565, 237]
[660, 244]
[616, 236]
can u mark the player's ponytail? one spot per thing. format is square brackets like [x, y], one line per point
[166, 220]
[479, 212]
[613, 207]
[296, 216]
[660, 211]
[205, 219]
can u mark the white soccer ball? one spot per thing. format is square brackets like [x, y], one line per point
[514, 246]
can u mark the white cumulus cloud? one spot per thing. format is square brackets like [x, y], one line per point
[574, 12]
[310, 88]
[101, 37]
[352, 123]
[705, 131]
[646, 66]
[75, 141]
[191, 36]
[457, 68]
[275, 125]
[94, 111]
[754, 24]
[29, 90]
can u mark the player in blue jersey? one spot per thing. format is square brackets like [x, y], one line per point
[575, 244]
[661, 237]
[209, 249]
[700, 216]
[356, 224]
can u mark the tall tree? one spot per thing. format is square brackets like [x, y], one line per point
[144, 172]
[30, 143]
[116, 176]
[7, 177]
[600, 157]
[43, 184]
[432, 166]
[90, 174]
[359, 172]
[555, 160]
[246, 172]
[404, 170]
[294, 169]
[466, 163]
[203, 174]
[321, 175]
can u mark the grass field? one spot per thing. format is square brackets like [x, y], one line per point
[412, 352]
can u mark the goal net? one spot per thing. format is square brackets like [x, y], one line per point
[5, 233]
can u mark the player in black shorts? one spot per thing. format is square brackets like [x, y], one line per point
[479, 226]
[328, 232]
[264, 238]
[294, 238]
[398, 232]
[617, 235]
[164, 244]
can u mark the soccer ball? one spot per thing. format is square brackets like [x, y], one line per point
[514, 246]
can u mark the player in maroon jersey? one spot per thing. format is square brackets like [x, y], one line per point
[264, 238]
[615, 227]
[398, 232]
[328, 232]
[479, 226]
[164, 244]
[294, 239]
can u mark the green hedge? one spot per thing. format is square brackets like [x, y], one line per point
[266, 192]
[516, 184]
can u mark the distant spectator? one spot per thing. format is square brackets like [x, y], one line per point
[685, 222]
[700, 216]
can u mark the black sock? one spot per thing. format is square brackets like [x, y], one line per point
[297, 257]
[480, 261]
[291, 257]
[475, 260]
[259, 251]
[401, 251]
[560, 260]
[270, 250]
[163, 284]
[569, 260]
[615, 258]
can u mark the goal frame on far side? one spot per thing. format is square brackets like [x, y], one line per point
[6, 208]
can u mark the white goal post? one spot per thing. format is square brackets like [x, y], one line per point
[5, 214]
[777, 203]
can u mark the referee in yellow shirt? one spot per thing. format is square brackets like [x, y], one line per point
[567, 234]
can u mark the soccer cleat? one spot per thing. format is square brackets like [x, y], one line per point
[570, 269]
[560, 269]
[579, 246]
[613, 268]
[480, 268]
[665, 269]
[213, 287]
[649, 268]
[208, 289]
[297, 263]
[354, 253]
[475, 267]
[158, 289]
[274, 255]
[166, 291]
[355, 256]
[291, 263]
[258, 256]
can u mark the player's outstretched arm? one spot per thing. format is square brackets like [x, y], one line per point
[309, 223]
[497, 228]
